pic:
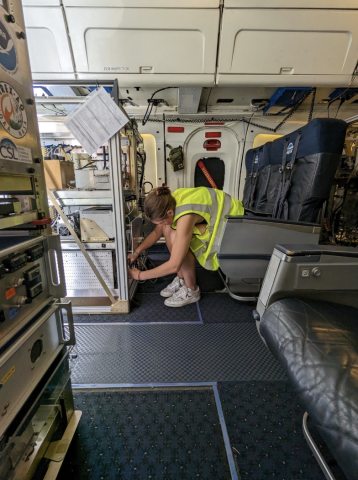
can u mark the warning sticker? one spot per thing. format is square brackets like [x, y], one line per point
[10, 293]
[8, 375]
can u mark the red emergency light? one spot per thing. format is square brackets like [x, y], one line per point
[212, 134]
[176, 129]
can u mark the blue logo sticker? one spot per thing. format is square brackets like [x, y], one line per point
[13, 312]
[256, 159]
[289, 149]
[8, 149]
[8, 56]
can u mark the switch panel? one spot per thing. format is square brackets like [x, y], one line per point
[14, 263]
[35, 253]
[25, 292]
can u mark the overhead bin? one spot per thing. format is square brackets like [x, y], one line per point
[337, 4]
[48, 42]
[142, 3]
[287, 47]
[144, 46]
[41, 3]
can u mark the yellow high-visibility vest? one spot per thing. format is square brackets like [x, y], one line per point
[212, 205]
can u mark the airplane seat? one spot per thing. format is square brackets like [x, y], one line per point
[288, 181]
[307, 315]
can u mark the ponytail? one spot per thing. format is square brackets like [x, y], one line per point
[158, 202]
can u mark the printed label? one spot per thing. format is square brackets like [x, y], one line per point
[10, 151]
[8, 375]
[116, 69]
[256, 159]
[289, 149]
[13, 312]
[12, 111]
[10, 293]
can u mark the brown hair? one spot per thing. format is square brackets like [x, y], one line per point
[157, 203]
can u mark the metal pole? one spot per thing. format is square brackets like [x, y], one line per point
[315, 450]
[114, 149]
[165, 152]
[80, 246]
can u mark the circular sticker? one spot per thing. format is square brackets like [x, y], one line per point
[8, 55]
[12, 111]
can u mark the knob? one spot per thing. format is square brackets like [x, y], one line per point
[29, 101]
[16, 282]
[22, 35]
[37, 160]
[20, 300]
[31, 170]
[316, 272]
[10, 18]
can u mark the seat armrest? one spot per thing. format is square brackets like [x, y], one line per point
[277, 221]
[247, 244]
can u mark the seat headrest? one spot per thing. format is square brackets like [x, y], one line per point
[321, 135]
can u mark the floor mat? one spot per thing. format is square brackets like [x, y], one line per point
[221, 308]
[132, 354]
[264, 423]
[151, 309]
[137, 435]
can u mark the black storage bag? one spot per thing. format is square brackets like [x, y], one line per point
[317, 158]
[257, 161]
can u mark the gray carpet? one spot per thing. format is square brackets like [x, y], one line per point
[221, 308]
[137, 435]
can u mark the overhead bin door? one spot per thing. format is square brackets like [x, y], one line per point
[41, 3]
[338, 4]
[145, 46]
[141, 3]
[283, 47]
[49, 48]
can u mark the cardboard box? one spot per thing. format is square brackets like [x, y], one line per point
[58, 173]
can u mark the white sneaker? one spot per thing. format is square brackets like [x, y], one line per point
[184, 296]
[172, 287]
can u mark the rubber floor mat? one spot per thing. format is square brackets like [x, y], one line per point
[151, 309]
[264, 423]
[135, 354]
[137, 435]
[221, 308]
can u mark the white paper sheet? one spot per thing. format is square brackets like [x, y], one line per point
[96, 121]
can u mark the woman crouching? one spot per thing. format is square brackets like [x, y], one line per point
[191, 221]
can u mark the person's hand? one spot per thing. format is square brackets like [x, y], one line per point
[132, 257]
[133, 273]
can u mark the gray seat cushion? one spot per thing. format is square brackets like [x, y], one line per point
[317, 343]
